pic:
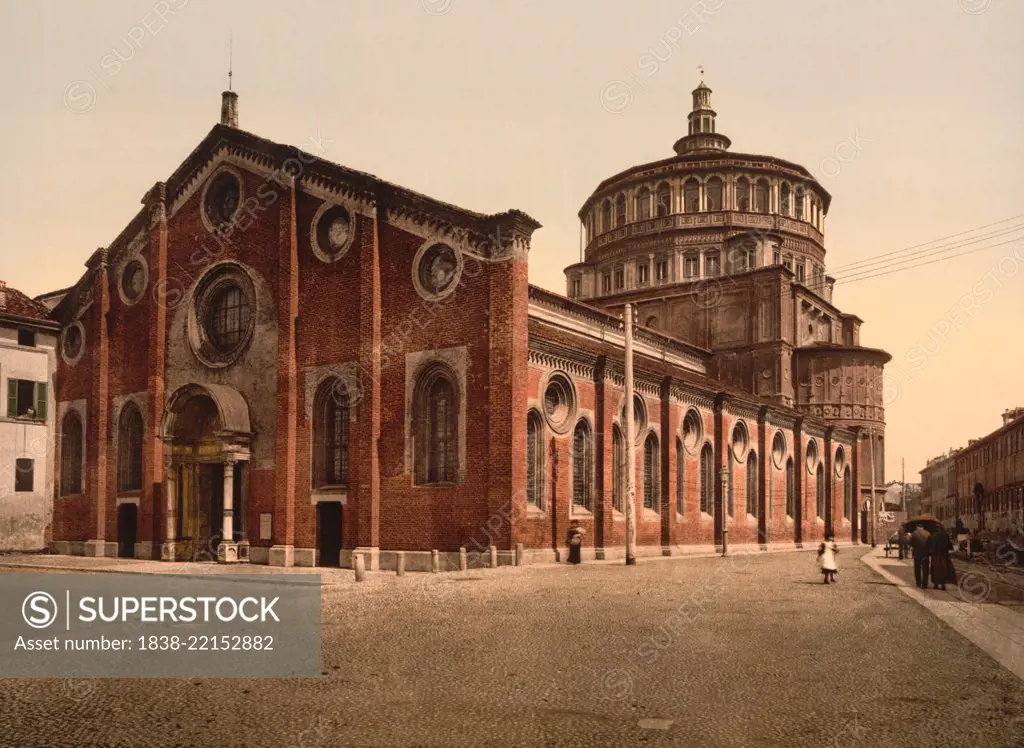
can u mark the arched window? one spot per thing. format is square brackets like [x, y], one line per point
[582, 466]
[847, 494]
[436, 428]
[798, 202]
[790, 490]
[707, 480]
[680, 477]
[652, 474]
[761, 195]
[606, 215]
[643, 204]
[819, 491]
[71, 454]
[752, 483]
[129, 449]
[618, 462]
[664, 199]
[742, 194]
[330, 434]
[784, 199]
[620, 210]
[691, 195]
[714, 193]
[534, 460]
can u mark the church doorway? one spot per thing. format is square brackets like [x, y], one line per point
[206, 428]
[127, 530]
[328, 524]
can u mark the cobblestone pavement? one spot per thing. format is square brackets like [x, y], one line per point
[745, 651]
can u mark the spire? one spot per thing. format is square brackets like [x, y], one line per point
[229, 99]
[701, 135]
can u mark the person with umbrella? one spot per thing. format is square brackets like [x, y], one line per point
[938, 547]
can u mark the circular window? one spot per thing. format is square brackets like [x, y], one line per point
[812, 455]
[779, 450]
[740, 440]
[223, 196]
[223, 316]
[333, 231]
[228, 318]
[436, 271]
[639, 416]
[133, 281]
[840, 461]
[693, 431]
[559, 403]
[72, 343]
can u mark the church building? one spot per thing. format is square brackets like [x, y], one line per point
[284, 361]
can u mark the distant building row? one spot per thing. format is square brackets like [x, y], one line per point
[982, 484]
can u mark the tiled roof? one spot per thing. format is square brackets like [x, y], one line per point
[16, 304]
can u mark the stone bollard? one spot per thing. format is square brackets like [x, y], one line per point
[360, 566]
[463, 560]
[400, 564]
[519, 554]
[494, 556]
[435, 562]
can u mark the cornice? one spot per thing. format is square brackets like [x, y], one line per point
[553, 358]
[689, 395]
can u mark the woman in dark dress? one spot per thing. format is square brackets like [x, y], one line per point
[939, 546]
[575, 542]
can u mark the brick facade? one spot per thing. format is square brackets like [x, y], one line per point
[356, 306]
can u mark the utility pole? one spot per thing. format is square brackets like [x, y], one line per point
[903, 481]
[874, 508]
[627, 319]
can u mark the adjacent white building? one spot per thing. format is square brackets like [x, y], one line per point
[28, 339]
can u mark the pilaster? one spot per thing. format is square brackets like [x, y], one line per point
[151, 509]
[367, 465]
[97, 427]
[287, 396]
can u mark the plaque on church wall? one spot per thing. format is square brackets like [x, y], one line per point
[265, 526]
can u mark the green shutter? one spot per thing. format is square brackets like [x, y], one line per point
[41, 401]
[12, 398]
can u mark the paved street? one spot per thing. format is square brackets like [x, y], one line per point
[749, 651]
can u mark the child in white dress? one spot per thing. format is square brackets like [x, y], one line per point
[827, 553]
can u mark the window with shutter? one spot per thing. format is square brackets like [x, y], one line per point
[41, 401]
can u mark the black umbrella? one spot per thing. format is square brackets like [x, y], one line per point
[927, 522]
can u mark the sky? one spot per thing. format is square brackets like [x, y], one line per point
[908, 113]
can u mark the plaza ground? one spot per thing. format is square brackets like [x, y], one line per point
[744, 651]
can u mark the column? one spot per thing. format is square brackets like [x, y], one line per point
[167, 550]
[227, 551]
